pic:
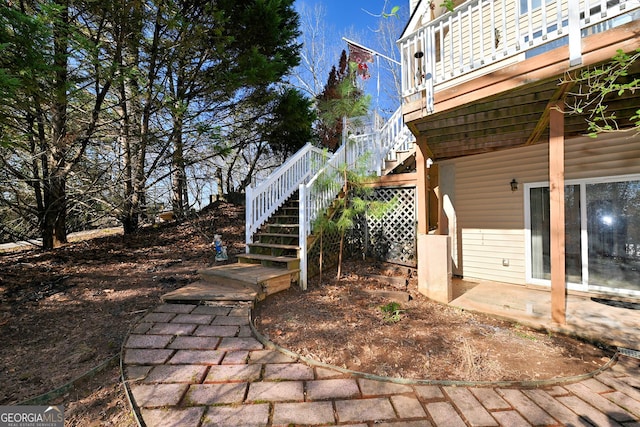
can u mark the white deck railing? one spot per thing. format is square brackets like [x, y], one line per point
[488, 34]
[263, 200]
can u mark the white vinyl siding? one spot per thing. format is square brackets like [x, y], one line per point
[490, 217]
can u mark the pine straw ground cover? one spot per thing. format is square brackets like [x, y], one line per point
[352, 324]
[62, 313]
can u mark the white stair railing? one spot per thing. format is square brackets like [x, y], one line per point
[384, 143]
[315, 174]
[263, 200]
[395, 136]
[319, 192]
[315, 197]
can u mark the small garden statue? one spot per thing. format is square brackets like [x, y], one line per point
[221, 251]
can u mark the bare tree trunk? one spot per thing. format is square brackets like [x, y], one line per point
[140, 177]
[229, 180]
[179, 199]
[128, 217]
[136, 105]
[54, 233]
[129, 143]
[36, 142]
[54, 218]
[220, 183]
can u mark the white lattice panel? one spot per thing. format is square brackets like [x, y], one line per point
[391, 237]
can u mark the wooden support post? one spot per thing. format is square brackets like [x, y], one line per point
[556, 207]
[422, 184]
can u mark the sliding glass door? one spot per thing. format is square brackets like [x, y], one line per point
[602, 234]
[613, 230]
[541, 232]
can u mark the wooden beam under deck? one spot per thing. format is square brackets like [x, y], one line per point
[394, 180]
[543, 122]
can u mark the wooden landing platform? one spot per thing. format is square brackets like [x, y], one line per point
[246, 272]
[203, 291]
[234, 282]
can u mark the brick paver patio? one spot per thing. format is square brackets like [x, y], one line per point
[199, 365]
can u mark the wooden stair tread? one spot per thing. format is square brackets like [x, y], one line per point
[280, 258]
[274, 245]
[276, 235]
[246, 272]
[269, 258]
[208, 291]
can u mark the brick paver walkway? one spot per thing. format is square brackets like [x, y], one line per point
[189, 365]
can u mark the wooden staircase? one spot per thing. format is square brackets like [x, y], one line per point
[276, 244]
[270, 266]
[276, 257]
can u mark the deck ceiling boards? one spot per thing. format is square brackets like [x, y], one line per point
[508, 120]
[491, 124]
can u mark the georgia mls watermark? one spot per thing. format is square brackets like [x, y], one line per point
[32, 416]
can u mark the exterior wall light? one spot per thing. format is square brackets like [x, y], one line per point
[514, 185]
[419, 76]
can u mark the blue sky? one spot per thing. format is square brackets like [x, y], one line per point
[353, 13]
[358, 20]
[355, 19]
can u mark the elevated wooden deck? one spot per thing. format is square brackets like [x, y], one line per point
[509, 107]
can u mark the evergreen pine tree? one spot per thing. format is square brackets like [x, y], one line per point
[340, 89]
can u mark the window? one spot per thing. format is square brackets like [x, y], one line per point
[602, 234]
[527, 5]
